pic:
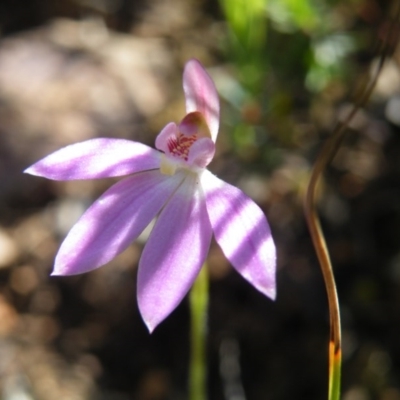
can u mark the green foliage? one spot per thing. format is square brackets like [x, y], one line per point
[328, 60]
[247, 22]
[294, 47]
[291, 15]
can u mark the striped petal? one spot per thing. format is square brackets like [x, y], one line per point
[174, 253]
[114, 221]
[242, 231]
[96, 158]
[201, 95]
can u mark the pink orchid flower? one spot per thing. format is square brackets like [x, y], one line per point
[190, 203]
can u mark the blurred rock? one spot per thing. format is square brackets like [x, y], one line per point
[16, 387]
[392, 110]
[24, 279]
[71, 81]
[8, 317]
[66, 213]
[8, 249]
[356, 393]
[34, 237]
[388, 83]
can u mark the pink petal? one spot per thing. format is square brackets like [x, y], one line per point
[243, 233]
[167, 133]
[114, 221]
[201, 95]
[96, 158]
[201, 152]
[174, 253]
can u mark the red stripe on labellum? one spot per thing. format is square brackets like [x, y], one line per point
[180, 145]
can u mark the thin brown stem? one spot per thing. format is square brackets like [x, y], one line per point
[327, 153]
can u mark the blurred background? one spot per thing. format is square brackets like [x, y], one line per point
[287, 71]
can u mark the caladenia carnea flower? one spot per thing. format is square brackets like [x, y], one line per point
[171, 183]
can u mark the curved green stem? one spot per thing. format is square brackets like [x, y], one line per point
[335, 367]
[328, 151]
[198, 300]
[326, 267]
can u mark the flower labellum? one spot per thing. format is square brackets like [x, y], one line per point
[190, 203]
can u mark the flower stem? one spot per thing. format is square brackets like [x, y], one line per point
[335, 367]
[198, 300]
[326, 266]
[327, 153]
